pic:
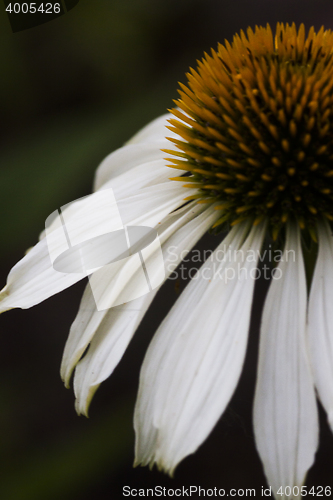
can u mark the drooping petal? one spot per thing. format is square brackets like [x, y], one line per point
[150, 173]
[194, 361]
[112, 330]
[152, 204]
[285, 412]
[89, 319]
[146, 146]
[33, 278]
[125, 159]
[153, 131]
[320, 321]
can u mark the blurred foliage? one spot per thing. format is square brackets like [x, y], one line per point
[71, 91]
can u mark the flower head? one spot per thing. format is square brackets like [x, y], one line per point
[254, 152]
[256, 126]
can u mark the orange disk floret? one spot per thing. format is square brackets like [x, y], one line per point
[255, 127]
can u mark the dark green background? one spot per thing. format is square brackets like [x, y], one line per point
[71, 91]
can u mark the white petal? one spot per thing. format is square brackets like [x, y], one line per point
[89, 319]
[144, 147]
[33, 278]
[320, 327]
[139, 178]
[285, 412]
[132, 168]
[127, 158]
[194, 361]
[112, 330]
[152, 204]
[146, 174]
[154, 130]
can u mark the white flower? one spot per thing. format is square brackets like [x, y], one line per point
[254, 133]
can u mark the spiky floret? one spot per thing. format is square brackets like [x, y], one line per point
[255, 127]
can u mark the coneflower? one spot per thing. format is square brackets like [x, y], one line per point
[252, 139]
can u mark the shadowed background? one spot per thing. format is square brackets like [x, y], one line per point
[71, 91]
